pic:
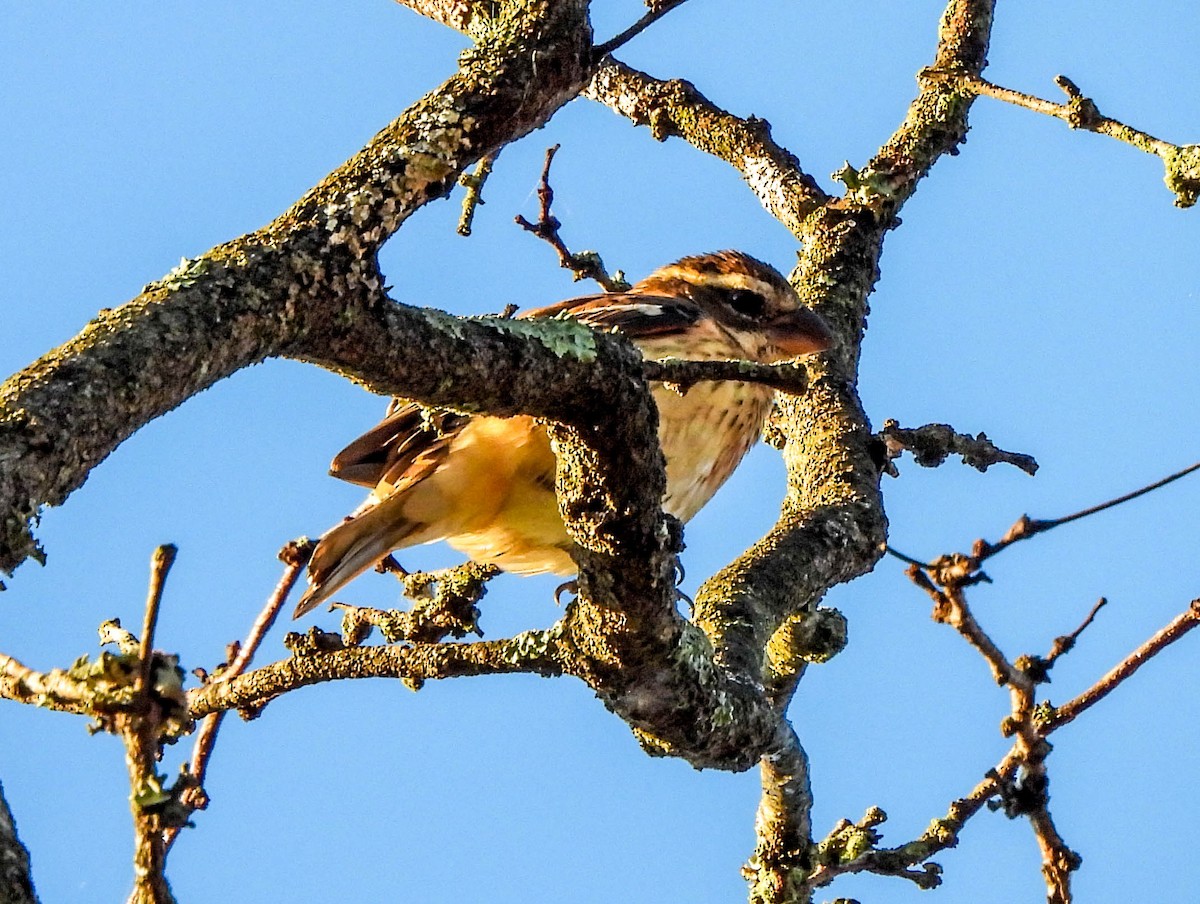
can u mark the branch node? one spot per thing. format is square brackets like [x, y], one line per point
[931, 444]
[585, 264]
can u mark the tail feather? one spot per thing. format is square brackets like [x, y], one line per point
[347, 550]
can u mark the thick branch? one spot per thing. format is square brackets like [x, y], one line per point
[832, 527]
[52, 690]
[285, 289]
[782, 856]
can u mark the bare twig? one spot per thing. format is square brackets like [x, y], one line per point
[1024, 528]
[932, 443]
[1026, 795]
[905, 558]
[295, 556]
[1036, 527]
[160, 565]
[950, 608]
[141, 731]
[658, 9]
[585, 264]
[1182, 162]
[1066, 642]
[1072, 709]
[473, 183]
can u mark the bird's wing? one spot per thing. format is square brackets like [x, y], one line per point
[635, 315]
[405, 446]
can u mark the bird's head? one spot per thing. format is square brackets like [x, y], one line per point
[747, 297]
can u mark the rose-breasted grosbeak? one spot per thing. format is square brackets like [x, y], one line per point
[486, 484]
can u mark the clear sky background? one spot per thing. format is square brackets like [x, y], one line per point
[1042, 288]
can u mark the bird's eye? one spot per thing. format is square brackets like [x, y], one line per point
[746, 303]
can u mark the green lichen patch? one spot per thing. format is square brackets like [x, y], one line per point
[1183, 174]
[565, 338]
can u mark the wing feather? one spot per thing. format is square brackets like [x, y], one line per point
[636, 315]
[409, 437]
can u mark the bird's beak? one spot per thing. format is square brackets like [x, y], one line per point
[800, 332]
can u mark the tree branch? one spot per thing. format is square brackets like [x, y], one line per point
[56, 689]
[539, 652]
[456, 14]
[676, 108]
[193, 796]
[285, 289]
[585, 264]
[1182, 162]
[932, 443]
[782, 855]
[936, 122]
[658, 9]
[1072, 709]
[832, 526]
[16, 880]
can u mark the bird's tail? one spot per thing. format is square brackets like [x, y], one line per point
[347, 550]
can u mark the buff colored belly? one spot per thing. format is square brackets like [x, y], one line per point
[704, 435]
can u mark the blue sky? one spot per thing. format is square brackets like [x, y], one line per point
[1042, 289]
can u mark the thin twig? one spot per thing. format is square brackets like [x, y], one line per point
[295, 555]
[1182, 162]
[1066, 642]
[943, 833]
[950, 608]
[160, 565]
[907, 559]
[1028, 793]
[657, 11]
[585, 264]
[1025, 527]
[1079, 112]
[1046, 525]
[1177, 628]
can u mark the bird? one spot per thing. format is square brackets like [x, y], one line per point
[485, 485]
